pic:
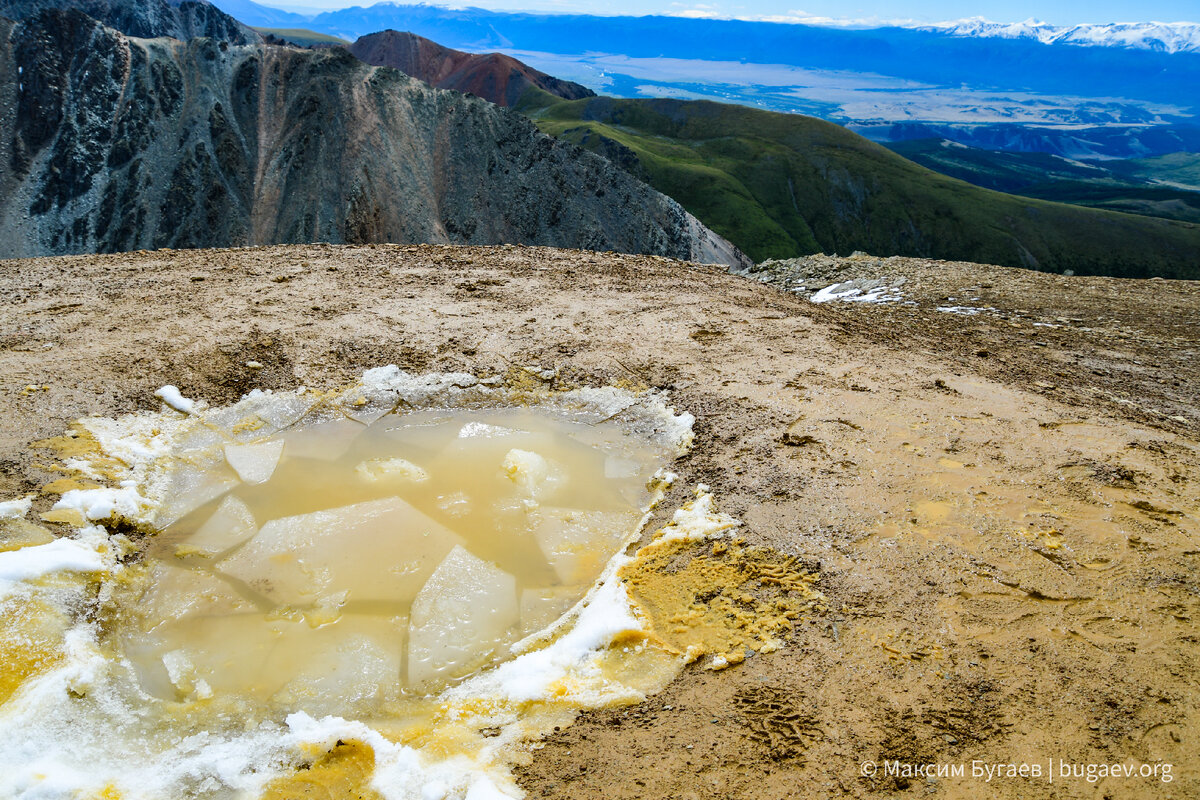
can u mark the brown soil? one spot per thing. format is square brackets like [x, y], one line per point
[1003, 516]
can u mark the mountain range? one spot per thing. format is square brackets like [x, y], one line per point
[1139, 81]
[112, 142]
[929, 56]
[118, 142]
[1165, 37]
[146, 19]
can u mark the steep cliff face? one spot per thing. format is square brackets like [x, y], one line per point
[146, 19]
[113, 143]
[493, 76]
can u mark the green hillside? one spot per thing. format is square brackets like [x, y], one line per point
[302, 37]
[1155, 187]
[780, 185]
[1178, 169]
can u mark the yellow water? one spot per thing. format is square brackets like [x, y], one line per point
[354, 566]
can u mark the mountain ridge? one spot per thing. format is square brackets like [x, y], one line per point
[496, 77]
[119, 143]
[146, 19]
[1167, 37]
[776, 183]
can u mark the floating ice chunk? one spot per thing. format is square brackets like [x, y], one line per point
[192, 486]
[261, 414]
[352, 665]
[379, 550]
[536, 476]
[463, 613]
[176, 592]
[577, 543]
[616, 467]
[227, 652]
[231, 524]
[541, 606]
[377, 470]
[254, 463]
[327, 441]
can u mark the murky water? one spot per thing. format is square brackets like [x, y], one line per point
[348, 566]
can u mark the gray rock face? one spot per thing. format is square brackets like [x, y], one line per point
[111, 143]
[146, 19]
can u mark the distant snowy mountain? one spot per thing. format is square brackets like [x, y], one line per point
[1162, 37]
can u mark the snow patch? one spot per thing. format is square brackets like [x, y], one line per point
[61, 555]
[171, 395]
[853, 292]
[15, 509]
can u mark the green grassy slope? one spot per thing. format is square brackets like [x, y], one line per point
[1181, 169]
[780, 185]
[302, 36]
[1134, 187]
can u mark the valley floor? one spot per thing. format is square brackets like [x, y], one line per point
[1001, 502]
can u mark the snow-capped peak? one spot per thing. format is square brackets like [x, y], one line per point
[1166, 37]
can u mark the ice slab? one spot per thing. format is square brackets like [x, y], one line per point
[378, 550]
[577, 543]
[193, 485]
[326, 441]
[230, 525]
[227, 653]
[465, 611]
[16, 533]
[542, 605]
[337, 669]
[175, 592]
[535, 476]
[254, 463]
[260, 414]
[616, 467]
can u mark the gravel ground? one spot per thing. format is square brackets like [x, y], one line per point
[1002, 504]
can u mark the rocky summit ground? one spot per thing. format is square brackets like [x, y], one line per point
[1001, 502]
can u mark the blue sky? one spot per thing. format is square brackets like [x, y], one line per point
[1057, 12]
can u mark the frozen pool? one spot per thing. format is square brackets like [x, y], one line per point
[340, 567]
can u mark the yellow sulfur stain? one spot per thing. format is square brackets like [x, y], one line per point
[721, 599]
[343, 773]
[18, 533]
[64, 485]
[31, 635]
[249, 425]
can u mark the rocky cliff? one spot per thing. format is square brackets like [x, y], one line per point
[113, 143]
[493, 76]
[147, 19]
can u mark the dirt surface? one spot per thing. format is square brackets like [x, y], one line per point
[1003, 515]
